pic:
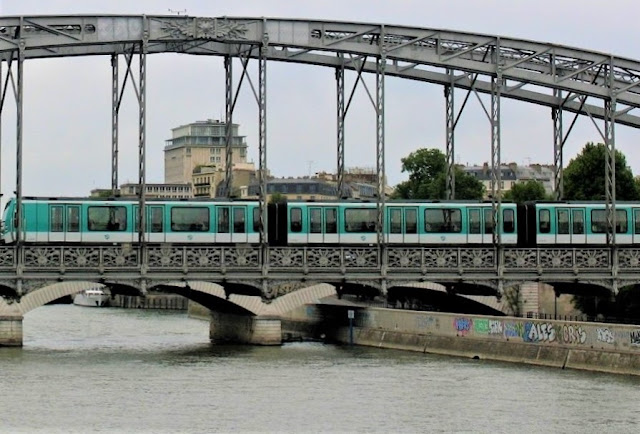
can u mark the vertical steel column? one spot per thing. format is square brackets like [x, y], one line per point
[2, 94]
[114, 123]
[558, 145]
[496, 169]
[19, 127]
[450, 149]
[381, 64]
[262, 147]
[340, 115]
[142, 141]
[228, 177]
[610, 168]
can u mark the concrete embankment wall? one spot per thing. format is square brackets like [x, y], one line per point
[151, 301]
[590, 346]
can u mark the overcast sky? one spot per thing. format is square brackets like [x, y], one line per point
[67, 101]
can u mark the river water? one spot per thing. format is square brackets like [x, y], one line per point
[116, 370]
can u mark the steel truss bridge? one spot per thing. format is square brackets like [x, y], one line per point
[569, 81]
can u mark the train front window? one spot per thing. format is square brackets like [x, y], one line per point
[107, 218]
[190, 219]
[544, 221]
[56, 219]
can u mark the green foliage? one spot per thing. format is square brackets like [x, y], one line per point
[277, 198]
[624, 306]
[584, 177]
[526, 191]
[427, 170]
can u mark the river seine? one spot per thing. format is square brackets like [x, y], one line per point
[115, 370]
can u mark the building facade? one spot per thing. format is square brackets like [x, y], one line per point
[202, 143]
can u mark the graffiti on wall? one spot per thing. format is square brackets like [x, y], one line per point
[573, 334]
[481, 326]
[539, 332]
[495, 327]
[426, 322]
[605, 335]
[462, 325]
[634, 336]
[513, 329]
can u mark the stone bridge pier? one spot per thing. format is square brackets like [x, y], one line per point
[10, 330]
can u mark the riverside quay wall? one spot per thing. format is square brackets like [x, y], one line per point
[578, 345]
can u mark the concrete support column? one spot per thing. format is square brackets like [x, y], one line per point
[242, 329]
[10, 331]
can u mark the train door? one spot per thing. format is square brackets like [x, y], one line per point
[315, 225]
[410, 228]
[474, 219]
[153, 225]
[577, 227]
[395, 225]
[331, 225]
[239, 224]
[487, 226]
[636, 225]
[563, 232]
[64, 223]
[223, 224]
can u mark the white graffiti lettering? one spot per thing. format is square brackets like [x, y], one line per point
[606, 336]
[495, 327]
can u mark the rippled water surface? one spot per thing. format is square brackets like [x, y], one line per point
[116, 370]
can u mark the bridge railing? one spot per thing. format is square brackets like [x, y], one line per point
[309, 260]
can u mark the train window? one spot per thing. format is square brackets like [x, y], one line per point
[223, 220]
[563, 221]
[636, 218]
[56, 219]
[508, 221]
[474, 221]
[599, 221]
[544, 221]
[360, 219]
[578, 221]
[395, 221]
[188, 219]
[488, 221]
[411, 221]
[73, 219]
[107, 218]
[256, 220]
[442, 220]
[331, 221]
[315, 221]
[296, 220]
[238, 220]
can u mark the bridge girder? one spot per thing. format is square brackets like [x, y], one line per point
[415, 53]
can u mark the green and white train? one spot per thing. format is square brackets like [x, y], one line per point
[334, 223]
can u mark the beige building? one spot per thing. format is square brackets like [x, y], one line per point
[207, 180]
[202, 143]
[159, 191]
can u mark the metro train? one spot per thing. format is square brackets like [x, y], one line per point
[229, 222]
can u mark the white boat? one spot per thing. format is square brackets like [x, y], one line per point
[94, 297]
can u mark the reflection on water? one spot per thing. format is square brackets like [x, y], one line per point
[115, 370]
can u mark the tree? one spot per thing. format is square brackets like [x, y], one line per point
[427, 170]
[526, 191]
[584, 177]
[277, 198]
